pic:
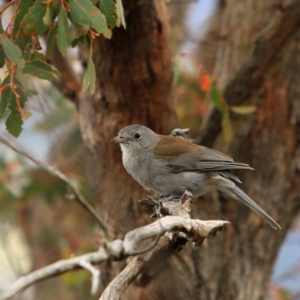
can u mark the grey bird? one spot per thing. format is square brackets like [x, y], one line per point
[170, 165]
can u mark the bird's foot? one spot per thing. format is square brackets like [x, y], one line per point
[164, 198]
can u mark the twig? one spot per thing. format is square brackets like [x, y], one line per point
[95, 275]
[6, 6]
[196, 230]
[55, 172]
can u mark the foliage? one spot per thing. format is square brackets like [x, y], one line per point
[202, 89]
[20, 49]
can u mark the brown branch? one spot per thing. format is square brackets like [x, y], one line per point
[250, 77]
[196, 230]
[69, 83]
[6, 6]
[55, 172]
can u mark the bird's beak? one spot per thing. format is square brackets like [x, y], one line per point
[119, 140]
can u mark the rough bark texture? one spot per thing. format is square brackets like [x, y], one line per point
[241, 265]
[134, 76]
[134, 79]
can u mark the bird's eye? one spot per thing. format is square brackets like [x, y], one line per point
[137, 135]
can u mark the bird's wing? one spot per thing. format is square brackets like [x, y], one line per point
[185, 156]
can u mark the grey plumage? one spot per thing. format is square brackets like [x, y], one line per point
[169, 165]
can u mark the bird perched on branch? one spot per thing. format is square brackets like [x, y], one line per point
[170, 165]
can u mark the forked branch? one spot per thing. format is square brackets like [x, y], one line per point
[196, 230]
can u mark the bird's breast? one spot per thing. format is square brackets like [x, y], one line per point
[136, 164]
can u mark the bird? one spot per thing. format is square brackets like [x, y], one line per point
[170, 165]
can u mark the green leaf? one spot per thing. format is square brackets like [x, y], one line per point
[87, 15]
[40, 69]
[50, 40]
[34, 18]
[48, 16]
[12, 52]
[243, 110]
[9, 96]
[78, 40]
[19, 73]
[108, 7]
[37, 56]
[63, 31]
[6, 96]
[21, 63]
[176, 69]
[2, 57]
[14, 123]
[226, 126]
[217, 99]
[25, 43]
[120, 14]
[89, 79]
[25, 115]
[22, 9]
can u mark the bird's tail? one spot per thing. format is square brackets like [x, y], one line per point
[236, 193]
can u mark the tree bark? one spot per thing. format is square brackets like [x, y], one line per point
[134, 78]
[134, 86]
[240, 266]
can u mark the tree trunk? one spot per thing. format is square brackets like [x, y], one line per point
[239, 267]
[134, 81]
[134, 73]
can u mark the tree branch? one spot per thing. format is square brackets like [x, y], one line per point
[196, 230]
[69, 83]
[95, 273]
[55, 172]
[250, 78]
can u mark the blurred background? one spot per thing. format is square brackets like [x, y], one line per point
[40, 225]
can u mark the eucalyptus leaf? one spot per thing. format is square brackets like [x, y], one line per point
[48, 16]
[51, 38]
[243, 110]
[216, 98]
[78, 40]
[12, 52]
[2, 57]
[108, 7]
[23, 6]
[34, 18]
[87, 15]
[14, 123]
[226, 125]
[63, 31]
[40, 69]
[89, 79]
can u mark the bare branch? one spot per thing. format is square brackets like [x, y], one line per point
[55, 269]
[133, 269]
[95, 275]
[196, 230]
[55, 172]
